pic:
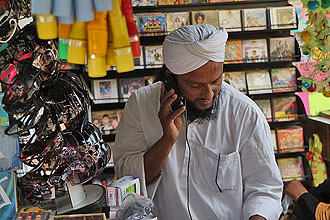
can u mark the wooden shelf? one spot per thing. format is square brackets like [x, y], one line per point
[109, 137]
[209, 6]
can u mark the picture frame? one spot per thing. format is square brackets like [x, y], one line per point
[92, 216]
[176, 20]
[255, 51]
[230, 19]
[105, 91]
[291, 168]
[258, 82]
[236, 80]
[233, 52]
[254, 19]
[130, 85]
[282, 49]
[283, 18]
[106, 121]
[154, 56]
[205, 17]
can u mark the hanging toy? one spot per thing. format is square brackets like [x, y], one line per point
[134, 39]
[77, 49]
[122, 49]
[63, 40]
[46, 22]
[97, 32]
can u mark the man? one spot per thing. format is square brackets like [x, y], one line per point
[312, 204]
[211, 159]
[246, 58]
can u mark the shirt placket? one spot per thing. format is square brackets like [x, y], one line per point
[191, 135]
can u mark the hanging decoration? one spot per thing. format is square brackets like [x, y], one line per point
[316, 44]
[102, 31]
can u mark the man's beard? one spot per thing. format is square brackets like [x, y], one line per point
[203, 115]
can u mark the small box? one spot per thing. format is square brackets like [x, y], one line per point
[117, 191]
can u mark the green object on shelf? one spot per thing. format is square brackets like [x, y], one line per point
[63, 48]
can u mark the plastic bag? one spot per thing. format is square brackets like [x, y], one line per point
[134, 207]
[315, 160]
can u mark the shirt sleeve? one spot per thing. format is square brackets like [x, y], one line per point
[322, 191]
[312, 205]
[261, 177]
[305, 206]
[130, 147]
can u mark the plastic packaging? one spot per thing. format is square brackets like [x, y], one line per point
[135, 207]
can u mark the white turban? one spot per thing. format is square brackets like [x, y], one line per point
[190, 47]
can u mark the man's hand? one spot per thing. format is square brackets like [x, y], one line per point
[172, 122]
[294, 189]
[257, 217]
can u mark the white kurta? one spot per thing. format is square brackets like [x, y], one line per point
[247, 174]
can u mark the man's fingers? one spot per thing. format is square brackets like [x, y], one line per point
[162, 92]
[177, 113]
[164, 96]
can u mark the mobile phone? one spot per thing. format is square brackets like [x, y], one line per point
[171, 83]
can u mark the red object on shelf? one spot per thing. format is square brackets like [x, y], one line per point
[312, 88]
[134, 39]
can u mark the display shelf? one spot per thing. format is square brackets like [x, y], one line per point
[272, 95]
[291, 154]
[237, 35]
[103, 106]
[112, 74]
[210, 6]
[109, 137]
[284, 124]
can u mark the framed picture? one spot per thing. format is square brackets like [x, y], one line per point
[152, 24]
[154, 56]
[254, 51]
[236, 80]
[176, 20]
[283, 17]
[105, 90]
[233, 52]
[265, 107]
[258, 82]
[282, 48]
[93, 216]
[130, 85]
[107, 121]
[205, 17]
[255, 19]
[230, 19]
[291, 168]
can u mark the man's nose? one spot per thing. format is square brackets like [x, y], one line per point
[207, 92]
